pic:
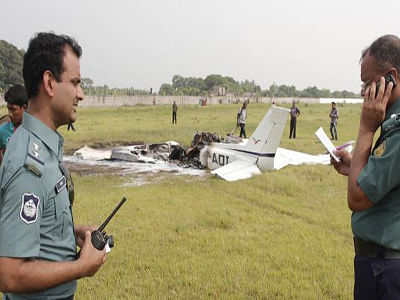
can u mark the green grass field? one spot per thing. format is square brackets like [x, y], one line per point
[280, 235]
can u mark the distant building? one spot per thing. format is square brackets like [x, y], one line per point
[218, 91]
[249, 94]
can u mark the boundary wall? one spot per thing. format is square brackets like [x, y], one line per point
[109, 101]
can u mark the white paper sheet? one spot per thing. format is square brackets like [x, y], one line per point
[321, 135]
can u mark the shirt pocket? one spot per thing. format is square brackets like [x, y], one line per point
[63, 218]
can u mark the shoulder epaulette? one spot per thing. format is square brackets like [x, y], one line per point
[33, 161]
[392, 123]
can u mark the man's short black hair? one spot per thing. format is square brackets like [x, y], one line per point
[16, 95]
[45, 53]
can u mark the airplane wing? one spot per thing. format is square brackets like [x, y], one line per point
[284, 157]
[236, 170]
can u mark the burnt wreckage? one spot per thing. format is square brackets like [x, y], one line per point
[190, 156]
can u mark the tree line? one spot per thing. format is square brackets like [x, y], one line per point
[10, 65]
[192, 86]
[11, 59]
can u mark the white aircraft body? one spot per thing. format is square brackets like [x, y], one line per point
[233, 160]
[239, 161]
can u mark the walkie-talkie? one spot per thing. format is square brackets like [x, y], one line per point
[99, 237]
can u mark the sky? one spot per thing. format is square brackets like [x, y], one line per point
[144, 43]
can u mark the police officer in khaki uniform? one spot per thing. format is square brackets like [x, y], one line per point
[38, 238]
[374, 177]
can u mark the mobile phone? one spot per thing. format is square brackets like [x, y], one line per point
[388, 78]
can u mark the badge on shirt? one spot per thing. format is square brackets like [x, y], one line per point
[61, 183]
[29, 208]
[380, 149]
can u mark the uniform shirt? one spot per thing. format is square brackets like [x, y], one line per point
[242, 115]
[6, 130]
[35, 212]
[380, 181]
[174, 108]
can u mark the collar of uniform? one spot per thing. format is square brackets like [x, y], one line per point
[48, 136]
[394, 108]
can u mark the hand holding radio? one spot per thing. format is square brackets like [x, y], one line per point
[99, 238]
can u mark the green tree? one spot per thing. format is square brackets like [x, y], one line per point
[214, 80]
[11, 60]
[166, 89]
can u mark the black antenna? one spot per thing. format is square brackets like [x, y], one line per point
[102, 226]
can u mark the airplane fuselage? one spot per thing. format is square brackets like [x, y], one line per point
[220, 154]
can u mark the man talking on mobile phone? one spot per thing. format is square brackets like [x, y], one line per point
[373, 193]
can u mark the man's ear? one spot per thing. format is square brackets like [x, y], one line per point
[48, 81]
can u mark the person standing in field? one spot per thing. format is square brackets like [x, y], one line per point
[17, 102]
[373, 191]
[294, 113]
[334, 115]
[38, 238]
[241, 119]
[174, 111]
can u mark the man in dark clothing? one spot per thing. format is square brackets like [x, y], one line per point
[334, 115]
[294, 113]
[241, 119]
[174, 110]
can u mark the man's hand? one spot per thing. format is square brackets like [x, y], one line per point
[372, 115]
[343, 166]
[20, 275]
[374, 108]
[80, 233]
[91, 258]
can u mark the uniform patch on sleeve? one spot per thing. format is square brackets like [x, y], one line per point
[380, 149]
[29, 208]
[61, 183]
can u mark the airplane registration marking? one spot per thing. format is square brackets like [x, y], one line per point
[222, 160]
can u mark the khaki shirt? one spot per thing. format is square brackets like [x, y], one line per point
[35, 212]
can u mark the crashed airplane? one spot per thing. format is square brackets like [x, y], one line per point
[233, 159]
[243, 160]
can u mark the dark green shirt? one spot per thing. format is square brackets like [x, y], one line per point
[380, 181]
[35, 213]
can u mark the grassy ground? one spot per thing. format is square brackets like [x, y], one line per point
[280, 235]
[153, 124]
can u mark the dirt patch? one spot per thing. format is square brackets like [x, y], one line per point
[90, 169]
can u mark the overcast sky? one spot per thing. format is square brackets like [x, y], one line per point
[143, 43]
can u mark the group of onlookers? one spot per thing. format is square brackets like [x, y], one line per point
[295, 113]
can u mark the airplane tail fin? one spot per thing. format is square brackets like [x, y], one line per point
[268, 134]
